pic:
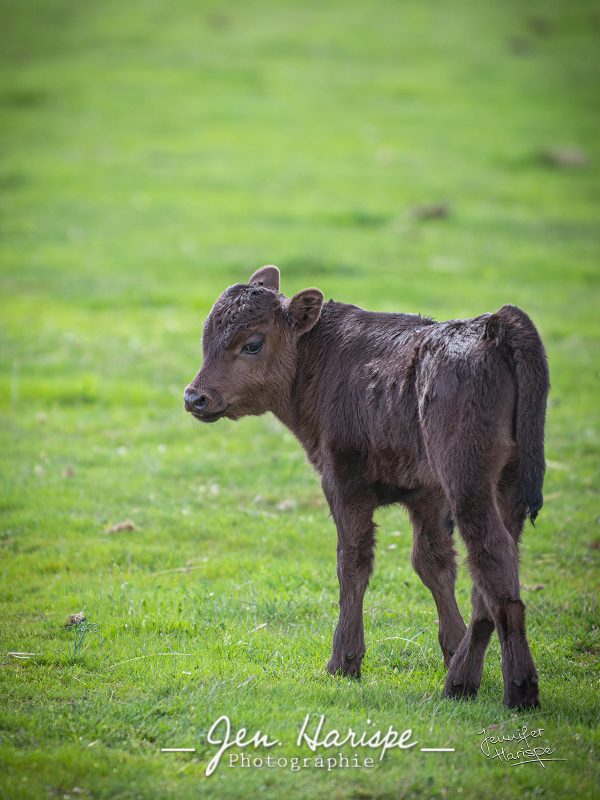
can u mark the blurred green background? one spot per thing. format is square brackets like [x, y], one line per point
[416, 156]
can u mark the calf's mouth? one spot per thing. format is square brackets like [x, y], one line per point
[207, 417]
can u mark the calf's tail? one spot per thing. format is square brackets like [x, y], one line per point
[513, 328]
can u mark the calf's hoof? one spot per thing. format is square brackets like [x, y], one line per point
[522, 694]
[459, 691]
[347, 664]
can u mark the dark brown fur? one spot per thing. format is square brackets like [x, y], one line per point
[446, 418]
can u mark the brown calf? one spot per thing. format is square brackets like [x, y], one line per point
[446, 418]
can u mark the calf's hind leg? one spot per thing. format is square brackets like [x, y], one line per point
[464, 676]
[494, 563]
[434, 560]
[467, 429]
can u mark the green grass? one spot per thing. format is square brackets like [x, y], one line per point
[153, 153]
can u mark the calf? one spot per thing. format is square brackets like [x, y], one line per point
[446, 418]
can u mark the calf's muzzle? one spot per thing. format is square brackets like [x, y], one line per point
[205, 404]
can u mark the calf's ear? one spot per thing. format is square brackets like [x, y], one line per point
[305, 309]
[266, 276]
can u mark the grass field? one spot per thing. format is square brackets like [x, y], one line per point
[153, 153]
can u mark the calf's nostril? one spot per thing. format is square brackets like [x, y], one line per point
[194, 401]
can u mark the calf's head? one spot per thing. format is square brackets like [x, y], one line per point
[249, 345]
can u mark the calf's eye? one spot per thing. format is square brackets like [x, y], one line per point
[252, 347]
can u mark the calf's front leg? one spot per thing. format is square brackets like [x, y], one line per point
[353, 516]
[434, 561]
